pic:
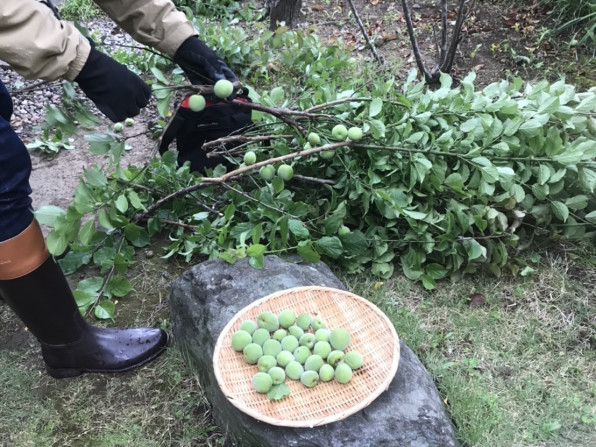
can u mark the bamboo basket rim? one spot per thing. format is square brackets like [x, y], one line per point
[222, 348]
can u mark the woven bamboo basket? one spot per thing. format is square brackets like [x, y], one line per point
[372, 335]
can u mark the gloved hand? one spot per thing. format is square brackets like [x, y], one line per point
[200, 63]
[116, 91]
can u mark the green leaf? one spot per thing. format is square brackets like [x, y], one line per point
[376, 106]
[119, 286]
[377, 128]
[104, 219]
[382, 269]
[560, 210]
[473, 248]
[544, 174]
[257, 261]
[587, 178]
[122, 203]
[105, 310]
[95, 177]
[428, 282]
[57, 242]
[454, 181]
[256, 250]
[298, 229]
[278, 392]
[277, 96]
[435, 271]
[307, 253]
[84, 300]
[135, 200]
[46, 215]
[591, 217]
[87, 232]
[354, 242]
[578, 202]
[159, 75]
[331, 246]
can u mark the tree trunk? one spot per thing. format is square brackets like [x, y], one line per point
[286, 11]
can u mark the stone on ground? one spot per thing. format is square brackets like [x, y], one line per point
[202, 301]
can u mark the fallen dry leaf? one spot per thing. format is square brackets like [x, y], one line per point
[476, 299]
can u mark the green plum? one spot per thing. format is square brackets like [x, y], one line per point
[308, 340]
[262, 382]
[335, 357]
[339, 339]
[303, 321]
[240, 339]
[249, 326]
[326, 373]
[260, 336]
[286, 318]
[251, 353]
[309, 379]
[322, 348]
[301, 353]
[296, 331]
[322, 335]
[289, 343]
[283, 358]
[353, 359]
[313, 363]
[268, 320]
[279, 334]
[294, 370]
[266, 362]
[278, 375]
[271, 347]
[343, 373]
[318, 323]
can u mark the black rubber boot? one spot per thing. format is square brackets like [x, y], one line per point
[70, 346]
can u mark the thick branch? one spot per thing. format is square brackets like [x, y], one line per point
[210, 181]
[443, 32]
[415, 47]
[448, 63]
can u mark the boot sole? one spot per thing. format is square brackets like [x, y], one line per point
[63, 373]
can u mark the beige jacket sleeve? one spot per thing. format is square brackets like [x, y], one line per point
[36, 44]
[156, 23]
[39, 46]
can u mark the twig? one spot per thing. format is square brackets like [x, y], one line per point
[248, 196]
[30, 87]
[306, 179]
[364, 33]
[241, 139]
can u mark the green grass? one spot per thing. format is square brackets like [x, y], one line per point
[79, 9]
[518, 370]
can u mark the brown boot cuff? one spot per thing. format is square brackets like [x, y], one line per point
[23, 253]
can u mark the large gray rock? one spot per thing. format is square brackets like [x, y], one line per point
[202, 301]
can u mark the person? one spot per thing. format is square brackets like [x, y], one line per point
[38, 45]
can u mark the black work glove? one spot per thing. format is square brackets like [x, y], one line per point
[200, 63]
[116, 91]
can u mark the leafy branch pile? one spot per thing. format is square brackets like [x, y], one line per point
[444, 182]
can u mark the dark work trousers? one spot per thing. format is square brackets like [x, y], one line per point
[15, 168]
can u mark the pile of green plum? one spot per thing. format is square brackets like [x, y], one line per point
[298, 347]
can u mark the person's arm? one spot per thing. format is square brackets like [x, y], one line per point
[38, 45]
[156, 23]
